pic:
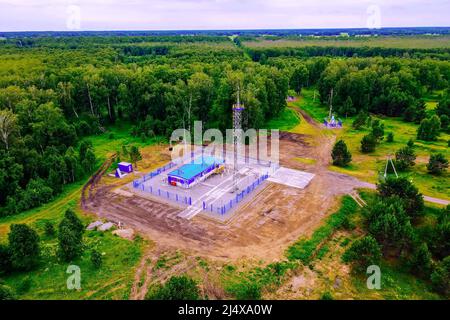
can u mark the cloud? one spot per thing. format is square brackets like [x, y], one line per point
[217, 14]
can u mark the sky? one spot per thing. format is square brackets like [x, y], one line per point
[68, 15]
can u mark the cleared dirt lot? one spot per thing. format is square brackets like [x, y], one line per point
[262, 229]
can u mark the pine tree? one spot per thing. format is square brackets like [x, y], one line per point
[24, 247]
[405, 158]
[368, 143]
[70, 236]
[429, 129]
[437, 164]
[135, 155]
[363, 253]
[340, 154]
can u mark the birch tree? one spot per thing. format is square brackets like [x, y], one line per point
[8, 124]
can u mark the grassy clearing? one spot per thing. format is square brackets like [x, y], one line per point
[112, 281]
[310, 102]
[286, 121]
[306, 160]
[406, 42]
[305, 249]
[115, 137]
[369, 167]
[48, 281]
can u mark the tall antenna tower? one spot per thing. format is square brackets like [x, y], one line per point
[237, 135]
[331, 103]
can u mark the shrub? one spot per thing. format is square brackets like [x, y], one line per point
[405, 158]
[24, 247]
[96, 259]
[378, 130]
[49, 229]
[388, 223]
[360, 120]
[347, 224]
[437, 235]
[445, 122]
[6, 293]
[420, 262]
[70, 236]
[176, 288]
[363, 253]
[326, 296]
[440, 278]
[437, 164]
[340, 154]
[5, 259]
[429, 129]
[135, 155]
[406, 191]
[390, 137]
[24, 286]
[368, 143]
[246, 290]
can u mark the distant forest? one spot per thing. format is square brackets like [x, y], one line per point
[56, 90]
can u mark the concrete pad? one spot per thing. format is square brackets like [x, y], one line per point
[94, 225]
[124, 233]
[106, 226]
[291, 177]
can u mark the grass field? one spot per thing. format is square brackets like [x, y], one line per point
[422, 42]
[286, 121]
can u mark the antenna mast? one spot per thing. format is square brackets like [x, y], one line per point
[331, 103]
[237, 135]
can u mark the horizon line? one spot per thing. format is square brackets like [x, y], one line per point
[223, 30]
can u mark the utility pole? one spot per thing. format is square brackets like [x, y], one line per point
[389, 160]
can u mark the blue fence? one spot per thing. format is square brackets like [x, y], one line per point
[137, 183]
[235, 201]
[172, 196]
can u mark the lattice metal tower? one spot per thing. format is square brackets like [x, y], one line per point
[238, 108]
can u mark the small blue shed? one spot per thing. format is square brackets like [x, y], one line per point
[125, 167]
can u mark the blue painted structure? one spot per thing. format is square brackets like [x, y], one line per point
[125, 167]
[189, 173]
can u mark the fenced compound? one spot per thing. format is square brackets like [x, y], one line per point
[168, 195]
[240, 196]
[137, 183]
[218, 194]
